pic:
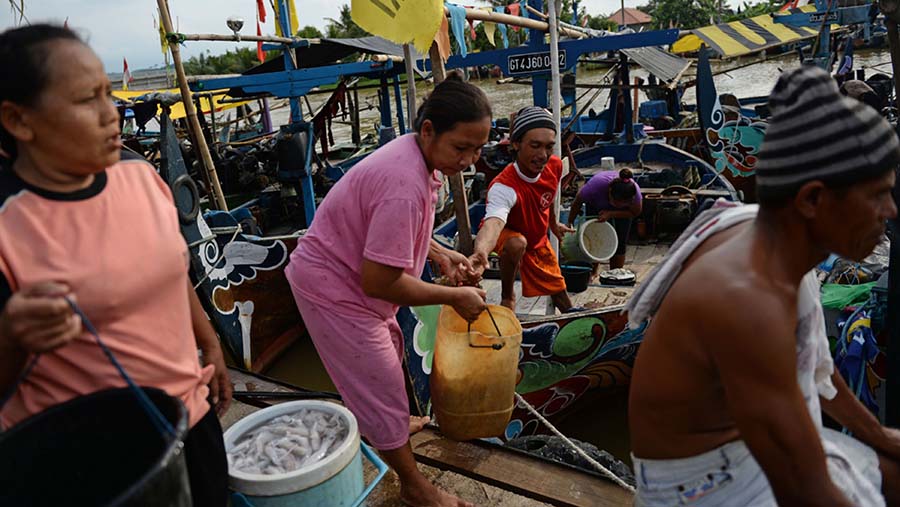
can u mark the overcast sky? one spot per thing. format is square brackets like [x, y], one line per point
[119, 29]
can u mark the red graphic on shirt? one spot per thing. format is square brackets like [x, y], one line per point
[546, 200]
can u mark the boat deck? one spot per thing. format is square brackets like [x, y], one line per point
[649, 166]
[480, 472]
[641, 259]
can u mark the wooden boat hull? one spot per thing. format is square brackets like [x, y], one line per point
[249, 299]
[240, 278]
[562, 358]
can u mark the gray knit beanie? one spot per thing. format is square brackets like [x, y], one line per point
[531, 117]
[815, 133]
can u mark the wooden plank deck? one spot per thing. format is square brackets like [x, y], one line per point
[641, 259]
[487, 474]
[519, 473]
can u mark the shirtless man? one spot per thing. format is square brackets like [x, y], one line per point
[724, 401]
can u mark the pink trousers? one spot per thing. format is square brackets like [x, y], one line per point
[363, 357]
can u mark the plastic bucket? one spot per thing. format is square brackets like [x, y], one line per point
[607, 164]
[98, 449]
[577, 275]
[592, 241]
[335, 481]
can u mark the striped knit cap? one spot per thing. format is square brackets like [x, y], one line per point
[815, 133]
[531, 117]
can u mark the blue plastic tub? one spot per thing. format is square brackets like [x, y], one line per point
[336, 481]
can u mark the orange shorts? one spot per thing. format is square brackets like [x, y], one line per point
[539, 269]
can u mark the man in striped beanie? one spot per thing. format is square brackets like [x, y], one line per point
[735, 369]
[520, 212]
[815, 133]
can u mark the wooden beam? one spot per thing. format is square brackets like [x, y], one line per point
[191, 113]
[634, 102]
[460, 203]
[437, 64]
[550, 482]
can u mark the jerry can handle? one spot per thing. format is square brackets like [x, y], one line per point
[486, 343]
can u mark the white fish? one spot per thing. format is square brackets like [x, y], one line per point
[263, 438]
[314, 437]
[288, 442]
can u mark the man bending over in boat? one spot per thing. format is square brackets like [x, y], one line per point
[735, 369]
[518, 214]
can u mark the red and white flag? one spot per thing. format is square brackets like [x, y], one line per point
[126, 76]
[260, 54]
[260, 16]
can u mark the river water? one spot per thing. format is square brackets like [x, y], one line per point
[601, 421]
[754, 80]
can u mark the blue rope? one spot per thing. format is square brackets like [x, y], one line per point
[159, 421]
[21, 378]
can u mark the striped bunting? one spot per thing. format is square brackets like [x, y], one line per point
[745, 36]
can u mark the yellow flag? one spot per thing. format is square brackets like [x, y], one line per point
[163, 43]
[292, 13]
[400, 21]
[489, 28]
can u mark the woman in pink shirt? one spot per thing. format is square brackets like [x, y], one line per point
[76, 223]
[362, 258]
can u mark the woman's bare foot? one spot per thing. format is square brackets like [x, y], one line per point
[426, 494]
[509, 303]
[416, 423]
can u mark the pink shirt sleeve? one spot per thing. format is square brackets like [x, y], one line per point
[392, 233]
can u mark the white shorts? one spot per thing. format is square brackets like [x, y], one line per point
[730, 476]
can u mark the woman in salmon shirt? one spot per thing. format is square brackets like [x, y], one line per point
[76, 223]
[362, 257]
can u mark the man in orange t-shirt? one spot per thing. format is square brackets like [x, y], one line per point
[520, 212]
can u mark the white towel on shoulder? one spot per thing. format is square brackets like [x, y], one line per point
[645, 300]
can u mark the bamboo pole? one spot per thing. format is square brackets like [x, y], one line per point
[634, 109]
[563, 26]
[557, 121]
[472, 14]
[507, 19]
[214, 37]
[457, 186]
[190, 111]
[355, 136]
[387, 58]
[410, 88]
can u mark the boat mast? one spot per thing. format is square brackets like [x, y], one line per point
[557, 119]
[218, 198]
